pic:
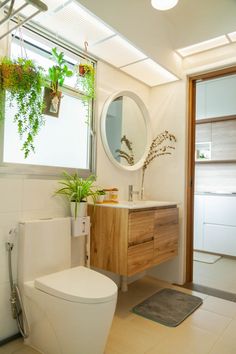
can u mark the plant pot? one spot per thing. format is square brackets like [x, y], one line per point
[81, 70]
[52, 102]
[81, 209]
[100, 199]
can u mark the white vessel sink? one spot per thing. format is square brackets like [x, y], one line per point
[138, 204]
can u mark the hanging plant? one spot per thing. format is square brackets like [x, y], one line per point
[56, 76]
[86, 80]
[23, 80]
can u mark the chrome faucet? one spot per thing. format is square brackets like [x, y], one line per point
[131, 193]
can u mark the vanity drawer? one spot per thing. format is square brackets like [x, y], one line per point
[166, 243]
[141, 227]
[140, 257]
[166, 216]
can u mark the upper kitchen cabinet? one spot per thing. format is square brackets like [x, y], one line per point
[216, 97]
[216, 120]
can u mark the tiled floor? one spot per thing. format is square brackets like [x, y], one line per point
[219, 275]
[210, 329]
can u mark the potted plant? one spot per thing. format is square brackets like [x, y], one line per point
[23, 80]
[56, 76]
[77, 190]
[86, 79]
[100, 196]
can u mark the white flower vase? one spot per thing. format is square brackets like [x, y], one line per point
[81, 209]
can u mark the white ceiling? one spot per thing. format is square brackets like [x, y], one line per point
[155, 34]
[158, 33]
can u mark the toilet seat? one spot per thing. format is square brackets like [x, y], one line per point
[78, 284]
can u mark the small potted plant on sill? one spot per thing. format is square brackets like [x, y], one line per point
[77, 190]
[23, 80]
[56, 76]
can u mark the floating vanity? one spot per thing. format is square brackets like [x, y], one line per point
[129, 237]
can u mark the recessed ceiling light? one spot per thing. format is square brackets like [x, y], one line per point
[163, 4]
[202, 46]
[232, 36]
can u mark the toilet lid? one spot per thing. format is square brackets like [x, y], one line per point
[78, 284]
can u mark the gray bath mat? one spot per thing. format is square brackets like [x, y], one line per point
[169, 307]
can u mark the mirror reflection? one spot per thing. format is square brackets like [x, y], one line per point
[126, 131]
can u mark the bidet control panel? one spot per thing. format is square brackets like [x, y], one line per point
[80, 226]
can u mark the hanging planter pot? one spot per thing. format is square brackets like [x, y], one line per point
[52, 102]
[56, 76]
[86, 79]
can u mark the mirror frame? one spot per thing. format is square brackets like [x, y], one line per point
[146, 118]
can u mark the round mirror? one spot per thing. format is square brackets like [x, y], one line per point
[125, 130]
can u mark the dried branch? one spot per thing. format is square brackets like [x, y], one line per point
[164, 150]
[127, 142]
[126, 156]
[129, 157]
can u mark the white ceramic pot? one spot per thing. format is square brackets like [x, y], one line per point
[81, 209]
[100, 199]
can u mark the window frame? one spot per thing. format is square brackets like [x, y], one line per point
[42, 171]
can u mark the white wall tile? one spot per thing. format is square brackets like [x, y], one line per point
[11, 195]
[8, 325]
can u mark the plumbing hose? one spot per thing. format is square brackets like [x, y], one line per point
[18, 312]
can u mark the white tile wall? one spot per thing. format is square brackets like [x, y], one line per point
[21, 199]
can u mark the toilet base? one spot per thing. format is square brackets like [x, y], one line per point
[58, 326]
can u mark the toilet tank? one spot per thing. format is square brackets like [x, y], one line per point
[44, 247]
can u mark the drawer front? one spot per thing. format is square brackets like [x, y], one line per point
[166, 216]
[140, 257]
[166, 243]
[140, 227]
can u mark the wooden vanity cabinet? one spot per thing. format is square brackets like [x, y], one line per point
[128, 241]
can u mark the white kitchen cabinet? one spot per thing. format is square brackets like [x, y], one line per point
[198, 221]
[220, 210]
[220, 239]
[215, 223]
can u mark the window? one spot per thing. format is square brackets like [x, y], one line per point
[63, 142]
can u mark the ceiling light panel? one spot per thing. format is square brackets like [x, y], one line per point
[232, 36]
[73, 23]
[203, 46]
[149, 72]
[117, 51]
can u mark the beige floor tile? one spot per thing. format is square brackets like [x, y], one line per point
[227, 343]
[219, 275]
[12, 346]
[208, 321]
[136, 335]
[25, 350]
[220, 306]
[223, 348]
[185, 339]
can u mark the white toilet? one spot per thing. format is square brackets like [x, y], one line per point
[69, 310]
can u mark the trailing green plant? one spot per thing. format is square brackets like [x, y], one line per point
[59, 72]
[23, 80]
[86, 80]
[77, 190]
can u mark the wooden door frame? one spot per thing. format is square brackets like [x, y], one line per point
[191, 160]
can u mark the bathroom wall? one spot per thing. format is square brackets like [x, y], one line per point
[165, 176]
[23, 197]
